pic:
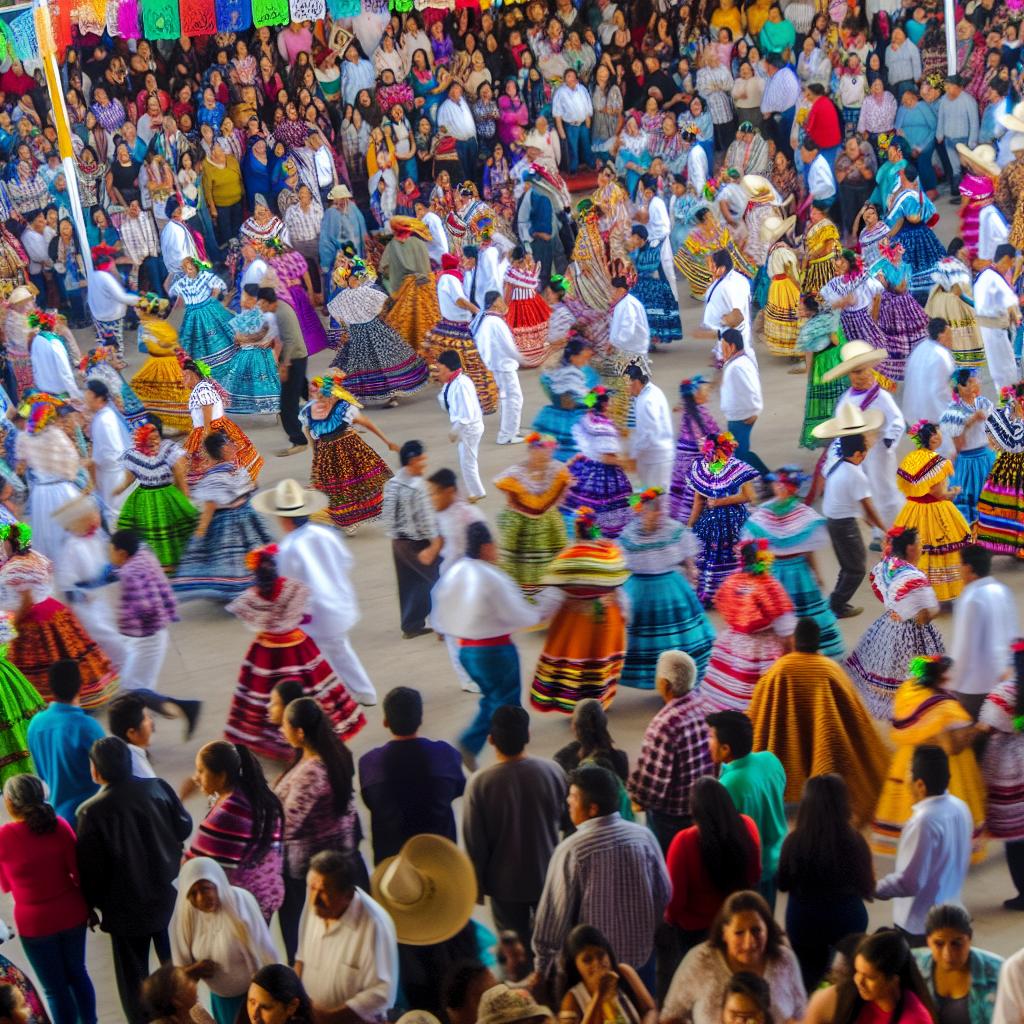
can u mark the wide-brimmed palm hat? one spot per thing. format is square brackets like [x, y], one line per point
[289, 499]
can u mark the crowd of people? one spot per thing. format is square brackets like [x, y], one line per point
[311, 220]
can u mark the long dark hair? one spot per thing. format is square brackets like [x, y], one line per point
[266, 577]
[27, 795]
[725, 844]
[244, 774]
[307, 715]
[582, 936]
[824, 843]
[590, 724]
[282, 984]
[1018, 674]
[887, 951]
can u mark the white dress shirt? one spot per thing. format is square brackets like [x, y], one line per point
[993, 231]
[653, 437]
[37, 248]
[352, 961]
[629, 330]
[459, 399]
[324, 166]
[821, 182]
[729, 292]
[176, 242]
[438, 244]
[573, 105]
[449, 291]
[984, 627]
[488, 275]
[496, 345]
[931, 861]
[740, 396]
[141, 766]
[1009, 1008]
[926, 385]
[108, 299]
[318, 557]
[697, 169]
[51, 367]
[110, 440]
[659, 226]
[254, 273]
[457, 118]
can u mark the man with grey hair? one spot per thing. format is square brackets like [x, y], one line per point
[674, 753]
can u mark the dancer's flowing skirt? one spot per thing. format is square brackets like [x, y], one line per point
[457, 336]
[604, 488]
[246, 454]
[163, 517]
[352, 475]
[378, 365]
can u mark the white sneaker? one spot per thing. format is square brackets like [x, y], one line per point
[518, 439]
[470, 687]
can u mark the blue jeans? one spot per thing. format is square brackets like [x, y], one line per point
[830, 155]
[577, 146]
[228, 223]
[742, 431]
[59, 963]
[155, 273]
[469, 152]
[496, 671]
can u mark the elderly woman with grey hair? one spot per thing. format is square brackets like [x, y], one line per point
[38, 866]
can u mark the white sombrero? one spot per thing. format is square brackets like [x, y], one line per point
[1013, 120]
[855, 356]
[289, 499]
[773, 228]
[757, 187]
[982, 157]
[849, 420]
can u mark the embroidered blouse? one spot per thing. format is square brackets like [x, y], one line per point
[657, 552]
[338, 419]
[155, 470]
[902, 588]
[280, 614]
[530, 494]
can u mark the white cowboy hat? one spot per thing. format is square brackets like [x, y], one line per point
[1014, 120]
[503, 1005]
[534, 141]
[20, 294]
[982, 157]
[77, 510]
[757, 187]
[429, 889]
[850, 420]
[855, 355]
[339, 192]
[289, 499]
[773, 228]
[1017, 141]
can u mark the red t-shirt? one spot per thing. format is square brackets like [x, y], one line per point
[16, 85]
[823, 123]
[41, 872]
[695, 900]
[914, 1012]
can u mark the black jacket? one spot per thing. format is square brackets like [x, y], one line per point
[130, 838]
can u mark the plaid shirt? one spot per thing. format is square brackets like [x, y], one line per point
[147, 601]
[406, 513]
[139, 237]
[303, 225]
[674, 755]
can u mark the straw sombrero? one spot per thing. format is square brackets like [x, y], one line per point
[20, 294]
[77, 510]
[758, 188]
[429, 889]
[849, 420]
[773, 228]
[289, 499]
[1014, 120]
[855, 356]
[982, 158]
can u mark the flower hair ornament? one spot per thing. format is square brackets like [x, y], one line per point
[257, 555]
[919, 666]
[145, 436]
[856, 264]
[586, 522]
[1011, 393]
[961, 377]
[201, 265]
[713, 442]
[893, 252]
[760, 557]
[40, 416]
[592, 397]
[561, 285]
[331, 386]
[20, 533]
[891, 534]
[100, 354]
[691, 385]
[792, 477]
[275, 245]
[644, 498]
[538, 440]
[42, 320]
[915, 430]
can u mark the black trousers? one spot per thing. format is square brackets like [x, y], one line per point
[131, 968]
[671, 944]
[512, 916]
[415, 582]
[814, 926]
[852, 558]
[1015, 862]
[291, 396]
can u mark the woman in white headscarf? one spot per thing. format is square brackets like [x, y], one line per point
[218, 934]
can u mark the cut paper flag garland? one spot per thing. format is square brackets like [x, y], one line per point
[307, 10]
[160, 19]
[233, 15]
[23, 36]
[198, 18]
[269, 12]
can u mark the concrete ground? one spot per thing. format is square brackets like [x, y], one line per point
[207, 644]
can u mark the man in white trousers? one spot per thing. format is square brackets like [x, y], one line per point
[652, 443]
[498, 350]
[110, 440]
[997, 309]
[318, 557]
[459, 399]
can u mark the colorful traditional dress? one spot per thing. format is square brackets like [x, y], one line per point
[586, 639]
[665, 614]
[596, 484]
[291, 270]
[975, 459]
[856, 319]
[909, 218]
[823, 336]
[282, 650]
[781, 311]
[758, 617]
[528, 314]
[53, 473]
[251, 379]
[951, 299]
[214, 565]
[693, 258]
[48, 631]
[345, 467]
[718, 529]
[98, 365]
[159, 382]
[16, 338]
[793, 530]
[902, 320]
[819, 271]
[19, 701]
[654, 292]
[1002, 765]
[920, 714]
[531, 529]
[156, 510]
[692, 432]
[207, 394]
[1001, 503]
[566, 386]
[871, 241]
[878, 664]
[11, 974]
[378, 365]
[205, 332]
[941, 529]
